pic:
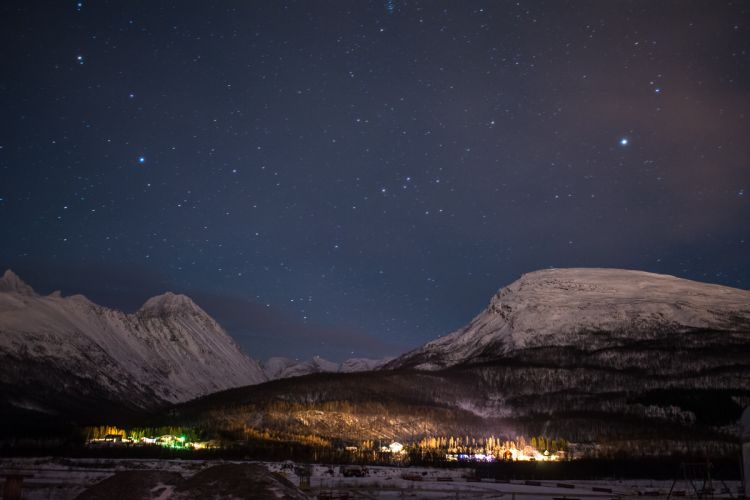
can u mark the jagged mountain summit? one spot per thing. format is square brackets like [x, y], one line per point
[587, 309]
[64, 352]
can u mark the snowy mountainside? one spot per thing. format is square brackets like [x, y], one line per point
[279, 367]
[594, 356]
[362, 364]
[170, 350]
[586, 309]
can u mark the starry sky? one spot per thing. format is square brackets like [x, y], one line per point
[355, 178]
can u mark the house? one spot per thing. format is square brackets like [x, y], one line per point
[113, 438]
[395, 447]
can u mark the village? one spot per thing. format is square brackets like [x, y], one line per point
[431, 449]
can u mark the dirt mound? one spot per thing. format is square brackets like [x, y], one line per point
[232, 481]
[221, 482]
[134, 485]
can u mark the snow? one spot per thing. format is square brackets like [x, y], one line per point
[170, 346]
[168, 304]
[279, 367]
[65, 478]
[568, 307]
[362, 364]
[162, 492]
[10, 282]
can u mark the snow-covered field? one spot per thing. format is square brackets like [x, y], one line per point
[63, 479]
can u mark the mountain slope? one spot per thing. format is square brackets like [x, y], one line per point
[586, 309]
[279, 367]
[627, 361]
[61, 352]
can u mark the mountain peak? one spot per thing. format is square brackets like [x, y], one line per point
[567, 307]
[168, 304]
[10, 282]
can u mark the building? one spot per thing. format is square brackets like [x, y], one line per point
[396, 447]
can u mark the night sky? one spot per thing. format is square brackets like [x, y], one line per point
[350, 178]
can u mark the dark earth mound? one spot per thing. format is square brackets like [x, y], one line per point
[228, 481]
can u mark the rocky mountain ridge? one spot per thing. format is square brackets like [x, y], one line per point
[279, 367]
[61, 354]
[57, 350]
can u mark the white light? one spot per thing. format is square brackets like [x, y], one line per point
[624, 141]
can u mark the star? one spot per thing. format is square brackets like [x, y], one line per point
[79, 58]
[624, 141]
[141, 160]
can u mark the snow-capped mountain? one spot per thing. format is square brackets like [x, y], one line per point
[362, 364]
[279, 367]
[624, 361]
[55, 348]
[587, 309]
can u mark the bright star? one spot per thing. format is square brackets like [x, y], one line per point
[79, 59]
[624, 141]
[141, 160]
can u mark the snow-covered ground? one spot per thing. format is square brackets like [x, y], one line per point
[64, 479]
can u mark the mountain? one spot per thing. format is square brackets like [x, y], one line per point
[591, 310]
[352, 365]
[620, 361]
[68, 355]
[279, 367]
